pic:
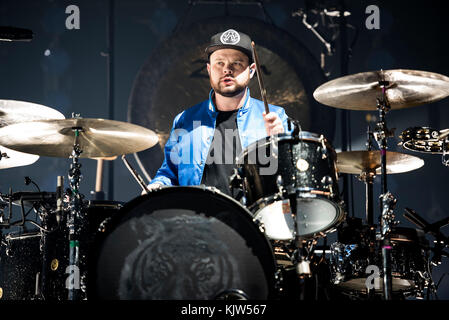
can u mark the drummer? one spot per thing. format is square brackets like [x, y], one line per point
[206, 138]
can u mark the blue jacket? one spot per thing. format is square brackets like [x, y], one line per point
[190, 138]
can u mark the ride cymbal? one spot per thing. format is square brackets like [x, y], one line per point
[97, 137]
[404, 89]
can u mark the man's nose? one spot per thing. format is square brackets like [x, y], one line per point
[228, 69]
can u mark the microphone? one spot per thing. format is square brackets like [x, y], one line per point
[15, 34]
[59, 198]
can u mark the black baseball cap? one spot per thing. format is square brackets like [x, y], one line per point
[231, 39]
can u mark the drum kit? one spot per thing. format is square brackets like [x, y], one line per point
[194, 242]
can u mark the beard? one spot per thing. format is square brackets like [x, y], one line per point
[226, 92]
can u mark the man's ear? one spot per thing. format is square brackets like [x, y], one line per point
[208, 68]
[252, 69]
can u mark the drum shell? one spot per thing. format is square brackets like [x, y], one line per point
[27, 255]
[95, 212]
[166, 208]
[20, 264]
[409, 262]
[290, 183]
[317, 161]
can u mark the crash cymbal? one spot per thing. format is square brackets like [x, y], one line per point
[13, 111]
[11, 158]
[97, 137]
[406, 88]
[358, 162]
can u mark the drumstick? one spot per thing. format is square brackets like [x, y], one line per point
[263, 92]
[99, 177]
[136, 176]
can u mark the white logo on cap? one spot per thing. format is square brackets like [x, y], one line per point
[230, 37]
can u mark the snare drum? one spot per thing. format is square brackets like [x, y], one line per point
[290, 183]
[409, 263]
[180, 243]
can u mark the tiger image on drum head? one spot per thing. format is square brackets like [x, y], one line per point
[182, 243]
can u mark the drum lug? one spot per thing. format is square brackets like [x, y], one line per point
[279, 184]
[326, 182]
[323, 144]
[278, 281]
[260, 225]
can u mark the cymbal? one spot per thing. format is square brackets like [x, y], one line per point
[406, 88]
[11, 158]
[358, 162]
[13, 111]
[97, 137]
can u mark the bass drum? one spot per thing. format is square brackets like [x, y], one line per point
[182, 243]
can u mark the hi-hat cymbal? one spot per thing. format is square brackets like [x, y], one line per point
[97, 137]
[406, 88]
[11, 158]
[358, 162]
[13, 111]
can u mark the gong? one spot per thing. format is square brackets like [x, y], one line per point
[174, 78]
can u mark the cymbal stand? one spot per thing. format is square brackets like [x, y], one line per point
[368, 178]
[387, 200]
[445, 156]
[74, 220]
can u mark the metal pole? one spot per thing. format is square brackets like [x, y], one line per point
[345, 115]
[110, 87]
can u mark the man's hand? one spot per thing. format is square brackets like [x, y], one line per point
[152, 186]
[273, 123]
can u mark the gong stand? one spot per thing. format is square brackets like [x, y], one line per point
[75, 220]
[387, 201]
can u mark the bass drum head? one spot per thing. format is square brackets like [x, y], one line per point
[182, 243]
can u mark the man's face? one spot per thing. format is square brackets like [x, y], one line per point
[229, 71]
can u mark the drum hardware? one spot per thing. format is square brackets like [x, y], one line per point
[75, 220]
[427, 140]
[77, 138]
[350, 262]
[390, 89]
[134, 173]
[381, 134]
[440, 242]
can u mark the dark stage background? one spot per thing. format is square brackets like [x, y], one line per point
[155, 48]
